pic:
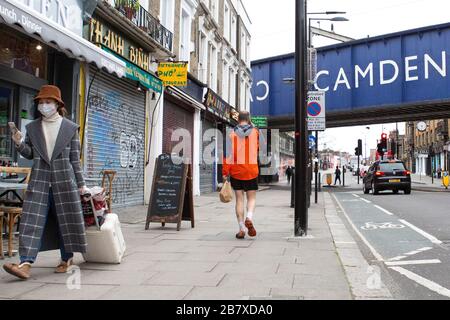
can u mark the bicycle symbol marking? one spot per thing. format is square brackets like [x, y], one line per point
[381, 225]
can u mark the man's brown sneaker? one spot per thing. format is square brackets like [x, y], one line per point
[64, 266]
[250, 227]
[22, 271]
[240, 234]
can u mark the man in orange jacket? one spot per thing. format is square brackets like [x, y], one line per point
[241, 165]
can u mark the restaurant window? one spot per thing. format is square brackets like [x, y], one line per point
[22, 53]
[6, 95]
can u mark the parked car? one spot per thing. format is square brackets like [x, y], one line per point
[387, 175]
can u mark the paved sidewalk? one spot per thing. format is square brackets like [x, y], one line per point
[425, 183]
[207, 262]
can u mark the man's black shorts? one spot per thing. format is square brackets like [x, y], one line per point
[246, 185]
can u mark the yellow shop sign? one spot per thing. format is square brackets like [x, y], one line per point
[173, 73]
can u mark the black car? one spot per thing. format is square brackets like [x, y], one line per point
[387, 175]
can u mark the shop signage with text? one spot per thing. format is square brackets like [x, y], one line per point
[103, 35]
[173, 73]
[216, 104]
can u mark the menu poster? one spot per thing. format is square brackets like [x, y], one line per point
[171, 198]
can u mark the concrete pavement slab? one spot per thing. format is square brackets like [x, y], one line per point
[186, 278]
[146, 292]
[62, 292]
[240, 281]
[12, 287]
[228, 293]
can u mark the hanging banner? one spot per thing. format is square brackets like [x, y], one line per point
[173, 73]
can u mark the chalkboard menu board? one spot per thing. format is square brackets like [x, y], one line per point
[171, 199]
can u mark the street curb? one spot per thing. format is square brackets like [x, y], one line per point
[424, 189]
[364, 279]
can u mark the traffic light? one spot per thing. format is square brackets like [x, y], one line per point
[358, 149]
[383, 142]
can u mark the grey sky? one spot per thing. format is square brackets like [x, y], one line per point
[273, 34]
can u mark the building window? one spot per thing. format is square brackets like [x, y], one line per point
[214, 8]
[225, 83]
[232, 81]
[185, 36]
[22, 53]
[203, 58]
[247, 97]
[247, 52]
[212, 78]
[233, 31]
[167, 14]
[242, 47]
[226, 22]
[242, 97]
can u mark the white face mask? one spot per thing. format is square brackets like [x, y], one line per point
[47, 109]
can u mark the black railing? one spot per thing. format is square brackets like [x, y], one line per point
[146, 22]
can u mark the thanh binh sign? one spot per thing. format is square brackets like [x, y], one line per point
[102, 34]
[173, 73]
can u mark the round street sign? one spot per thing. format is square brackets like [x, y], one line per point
[314, 109]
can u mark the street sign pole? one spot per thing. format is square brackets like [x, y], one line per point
[316, 168]
[301, 136]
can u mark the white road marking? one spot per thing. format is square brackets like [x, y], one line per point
[384, 210]
[410, 253]
[355, 195]
[420, 231]
[409, 262]
[365, 200]
[397, 258]
[371, 248]
[433, 286]
[345, 242]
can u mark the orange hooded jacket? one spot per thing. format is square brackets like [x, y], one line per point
[241, 160]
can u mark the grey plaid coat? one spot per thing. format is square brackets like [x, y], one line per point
[63, 170]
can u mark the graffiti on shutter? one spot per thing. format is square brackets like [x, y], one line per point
[115, 131]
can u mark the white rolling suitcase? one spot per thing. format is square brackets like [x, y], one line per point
[106, 245]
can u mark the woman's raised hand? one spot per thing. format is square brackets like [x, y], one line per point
[16, 135]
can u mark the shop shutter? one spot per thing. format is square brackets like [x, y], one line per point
[207, 174]
[115, 137]
[176, 117]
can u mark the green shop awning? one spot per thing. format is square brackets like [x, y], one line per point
[133, 72]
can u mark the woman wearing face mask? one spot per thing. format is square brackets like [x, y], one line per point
[52, 216]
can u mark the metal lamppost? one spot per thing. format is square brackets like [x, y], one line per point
[301, 137]
[335, 19]
[365, 146]
[316, 168]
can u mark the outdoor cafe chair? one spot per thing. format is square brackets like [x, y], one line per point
[12, 209]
